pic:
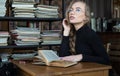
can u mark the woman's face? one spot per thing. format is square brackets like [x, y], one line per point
[77, 13]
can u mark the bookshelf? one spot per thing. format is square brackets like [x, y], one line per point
[116, 8]
[10, 18]
[20, 47]
[49, 20]
[103, 10]
[30, 19]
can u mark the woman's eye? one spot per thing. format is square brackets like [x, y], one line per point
[78, 10]
[70, 10]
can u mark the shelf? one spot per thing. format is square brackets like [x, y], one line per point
[50, 44]
[109, 36]
[28, 19]
[116, 19]
[21, 46]
[26, 46]
[107, 33]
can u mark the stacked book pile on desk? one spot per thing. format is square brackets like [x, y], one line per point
[23, 54]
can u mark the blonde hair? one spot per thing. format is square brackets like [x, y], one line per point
[72, 31]
[87, 9]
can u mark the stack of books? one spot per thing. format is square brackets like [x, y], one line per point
[23, 54]
[30, 8]
[51, 37]
[116, 28]
[2, 7]
[23, 8]
[47, 11]
[26, 36]
[24, 0]
[4, 38]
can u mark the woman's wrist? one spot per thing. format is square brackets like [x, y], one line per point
[75, 58]
[79, 57]
[66, 33]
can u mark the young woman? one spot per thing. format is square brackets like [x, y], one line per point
[80, 42]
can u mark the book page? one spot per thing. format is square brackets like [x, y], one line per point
[49, 55]
[62, 63]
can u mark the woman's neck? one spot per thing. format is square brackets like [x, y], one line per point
[78, 25]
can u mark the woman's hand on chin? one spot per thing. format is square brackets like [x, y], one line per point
[72, 58]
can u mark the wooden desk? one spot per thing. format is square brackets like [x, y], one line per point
[81, 69]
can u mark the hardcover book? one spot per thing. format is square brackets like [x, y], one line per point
[50, 58]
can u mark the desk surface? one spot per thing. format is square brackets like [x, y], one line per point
[38, 70]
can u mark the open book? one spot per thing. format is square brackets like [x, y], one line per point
[50, 58]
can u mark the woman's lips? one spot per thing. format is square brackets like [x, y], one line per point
[71, 17]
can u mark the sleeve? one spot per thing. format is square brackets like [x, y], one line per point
[64, 48]
[99, 52]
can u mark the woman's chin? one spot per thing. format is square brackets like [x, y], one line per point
[73, 22]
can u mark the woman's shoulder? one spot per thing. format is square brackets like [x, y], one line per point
[87, 29]
[90, 33]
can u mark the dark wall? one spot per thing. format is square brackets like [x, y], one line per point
[101, 8]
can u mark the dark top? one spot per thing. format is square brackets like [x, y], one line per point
[88, 44]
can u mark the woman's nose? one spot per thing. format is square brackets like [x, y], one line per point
[72, 12]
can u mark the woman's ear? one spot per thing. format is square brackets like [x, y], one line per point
[86, 19]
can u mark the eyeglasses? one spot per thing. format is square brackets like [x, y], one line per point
[77, 10]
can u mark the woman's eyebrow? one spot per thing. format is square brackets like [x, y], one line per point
[78, 8]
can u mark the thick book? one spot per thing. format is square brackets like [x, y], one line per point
[50, 58]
